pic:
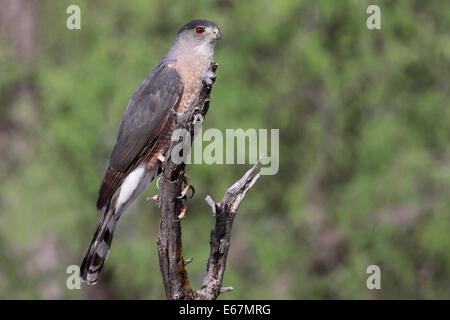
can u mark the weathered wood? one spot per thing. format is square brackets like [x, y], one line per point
[171, 262]
[224, 211]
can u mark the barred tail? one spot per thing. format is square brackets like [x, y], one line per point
[98, 251]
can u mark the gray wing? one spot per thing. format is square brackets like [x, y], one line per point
[145, 116]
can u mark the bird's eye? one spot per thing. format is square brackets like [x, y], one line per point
[200, 30]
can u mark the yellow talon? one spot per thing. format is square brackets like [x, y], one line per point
[186, 189]
[182, 213]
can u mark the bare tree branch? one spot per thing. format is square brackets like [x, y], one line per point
[224, 211]
[170, 252]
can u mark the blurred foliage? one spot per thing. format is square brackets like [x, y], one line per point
[364, 122]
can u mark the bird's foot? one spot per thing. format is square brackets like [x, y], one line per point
[183, 195]
[160, 157]
[188, 186]
[209, 78]
[154, 198]
[183, 212]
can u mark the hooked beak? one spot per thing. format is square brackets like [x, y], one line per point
[216, 34]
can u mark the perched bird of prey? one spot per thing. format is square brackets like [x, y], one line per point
[145, 132]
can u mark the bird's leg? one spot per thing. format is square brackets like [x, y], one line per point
[161, 158]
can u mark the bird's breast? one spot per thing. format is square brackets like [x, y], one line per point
[191, 72]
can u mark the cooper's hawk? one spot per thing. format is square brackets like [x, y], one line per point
[145, 132]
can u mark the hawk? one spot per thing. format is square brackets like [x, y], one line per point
[145, 132]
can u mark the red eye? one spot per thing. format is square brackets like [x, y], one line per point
[200, 30]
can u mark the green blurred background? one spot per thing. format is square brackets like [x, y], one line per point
[364, 121]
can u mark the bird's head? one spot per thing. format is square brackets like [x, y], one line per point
[199, 33]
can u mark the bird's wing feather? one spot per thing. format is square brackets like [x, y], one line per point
[144, 118]
[146, 114]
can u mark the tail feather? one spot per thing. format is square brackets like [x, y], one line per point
[95, 259]
[98, 250]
